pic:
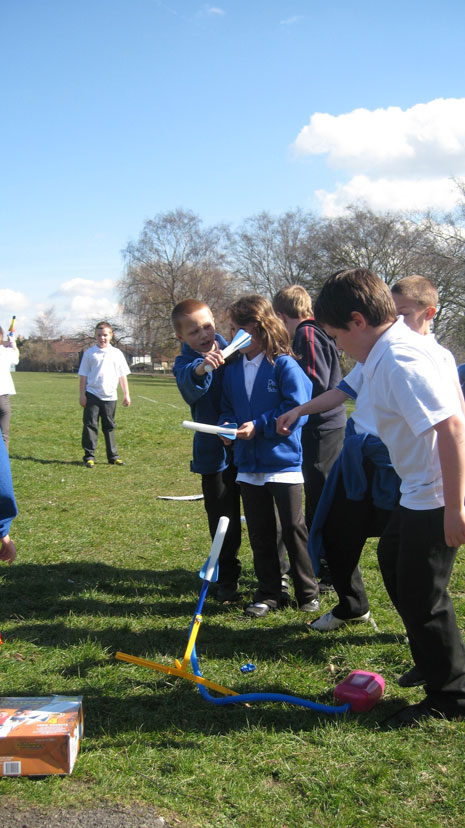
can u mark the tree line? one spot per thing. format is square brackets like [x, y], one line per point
[176, 257]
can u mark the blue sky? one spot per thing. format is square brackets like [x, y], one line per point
[116, 110]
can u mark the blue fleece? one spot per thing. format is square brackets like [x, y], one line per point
[277, 389]
[385, 488]
[203, 395]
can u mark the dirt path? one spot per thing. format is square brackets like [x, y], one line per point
[113, 816]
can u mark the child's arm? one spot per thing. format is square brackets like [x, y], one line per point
[451, 448]
[191, 378]
[82, 391]
[123, 381]
[325, 402]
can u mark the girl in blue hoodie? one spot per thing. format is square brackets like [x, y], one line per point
[263, 383]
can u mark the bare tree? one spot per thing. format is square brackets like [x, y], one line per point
[174, 258]
[47, 325]
[270, 252]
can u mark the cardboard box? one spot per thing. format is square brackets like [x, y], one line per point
[40, 736]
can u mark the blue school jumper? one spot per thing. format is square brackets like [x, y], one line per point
[277, 389]
[203, 395]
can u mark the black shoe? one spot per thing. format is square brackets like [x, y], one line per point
[285, 597]
[325, 583]
[89, 462]
[116, 462]
[227, 595]
[257, 610]
[412, 678]
[415, 713]
[311, 606]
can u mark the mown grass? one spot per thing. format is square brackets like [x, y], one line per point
[104, 566]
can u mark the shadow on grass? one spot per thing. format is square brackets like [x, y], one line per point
[64, 607]
[46, 462]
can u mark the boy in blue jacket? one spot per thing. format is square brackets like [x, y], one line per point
[194, 326]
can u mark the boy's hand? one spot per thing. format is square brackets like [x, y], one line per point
[83, 400]
[246, 431]
[126, 400]
[284, 421]
[213, 359]
[454, 526]
[7, 550]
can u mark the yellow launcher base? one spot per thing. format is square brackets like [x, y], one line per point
[175, 671]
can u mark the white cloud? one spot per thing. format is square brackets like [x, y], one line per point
[85, 287]
[101, 306]
[397, 159]
[12, 300]
[213, 10]
[384, 194]
[289, 21]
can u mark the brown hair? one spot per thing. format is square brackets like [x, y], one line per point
[419, 289]
[258, 311]
[354, 290]
[103, 324]
[294, 301]
[184, 308]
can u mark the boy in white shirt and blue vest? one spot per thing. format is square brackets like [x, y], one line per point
[419, 417]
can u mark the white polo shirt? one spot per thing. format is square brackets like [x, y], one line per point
[410, 393]
[103, 368]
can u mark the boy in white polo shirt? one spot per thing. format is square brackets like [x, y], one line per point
[101, 368]
[419, 417]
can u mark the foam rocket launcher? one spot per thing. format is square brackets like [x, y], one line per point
[241, 340]
[11, 329]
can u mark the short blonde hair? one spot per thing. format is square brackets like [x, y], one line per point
[294, 301]
[419, 289]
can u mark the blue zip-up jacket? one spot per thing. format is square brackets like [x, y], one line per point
[349, 464]
[203, 395]
[277, 389]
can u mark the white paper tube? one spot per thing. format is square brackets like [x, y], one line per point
[241, 339]
[221, 530]
[210, 429]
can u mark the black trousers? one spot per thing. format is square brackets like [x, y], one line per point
[222, 496]
[348, 526]
[5, 415]
[320, 450]
[416, 566]
[94, 410]
[259, 503]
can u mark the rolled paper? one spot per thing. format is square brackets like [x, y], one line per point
[215, 550]
[226, 430]
[241, 340]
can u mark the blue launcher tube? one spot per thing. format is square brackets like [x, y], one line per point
[242, 698]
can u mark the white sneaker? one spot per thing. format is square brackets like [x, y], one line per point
[329, 622]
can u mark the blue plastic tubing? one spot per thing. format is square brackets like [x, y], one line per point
[242, 698]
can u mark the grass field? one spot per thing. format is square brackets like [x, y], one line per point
[104, 566]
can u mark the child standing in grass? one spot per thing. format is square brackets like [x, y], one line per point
[194, 326]
[101, 368]
[419, 417]
[264, 383]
